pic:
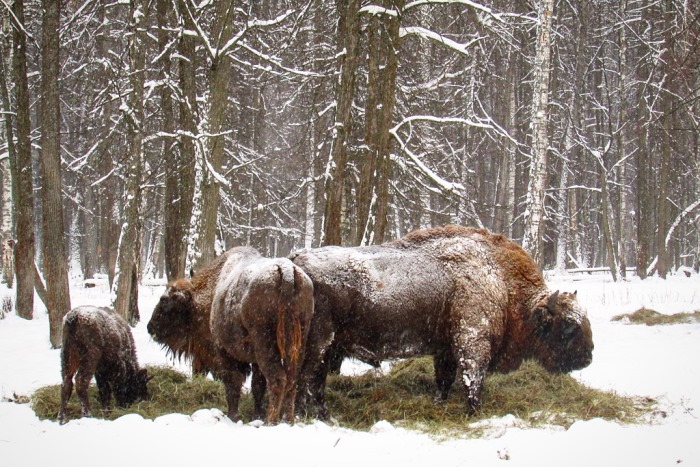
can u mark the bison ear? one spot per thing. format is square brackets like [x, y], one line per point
[191, 273]
[552, 301]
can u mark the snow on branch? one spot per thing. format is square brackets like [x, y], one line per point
[679, 219]
[444, 185]
[488, 12]
[278, 64]
[376, 10]
[217, 176]
[432, 35]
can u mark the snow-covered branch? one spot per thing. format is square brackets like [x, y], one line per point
[434, 36]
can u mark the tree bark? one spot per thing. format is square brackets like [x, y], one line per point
[348, 33]
[219, 74]
[179, 177]
[534, 216]
[54, 252]
[24, 203]
[129, 252]
[9, 178]
[373, 192]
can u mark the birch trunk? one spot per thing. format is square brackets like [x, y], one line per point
[534, 215]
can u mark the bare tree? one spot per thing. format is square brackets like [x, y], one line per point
[55, 259]
[534, 217]
[128, 258]
[24, 203]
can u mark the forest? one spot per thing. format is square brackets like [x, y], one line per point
[141, 138]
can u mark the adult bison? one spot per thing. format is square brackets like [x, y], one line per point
[242, 309]
[97, 342]
[472, 299]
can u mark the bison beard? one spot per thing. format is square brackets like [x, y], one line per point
[474, 300]
[97, 342]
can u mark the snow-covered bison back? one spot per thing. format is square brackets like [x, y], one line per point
[98, 342]
[472, 299]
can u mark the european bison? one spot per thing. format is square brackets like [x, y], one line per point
[271, 299]
[261, 314]
[473, 300]
[97, 342]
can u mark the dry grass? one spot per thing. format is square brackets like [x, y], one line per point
[170, 392]
[653, 318]
[403, 397]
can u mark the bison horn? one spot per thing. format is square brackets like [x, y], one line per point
[552, 301]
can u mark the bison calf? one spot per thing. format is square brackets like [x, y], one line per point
[97, 342]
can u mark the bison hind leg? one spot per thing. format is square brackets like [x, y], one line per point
[82, 383]
[66, 391]
[258, 388]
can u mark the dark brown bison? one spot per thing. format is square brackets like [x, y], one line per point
[98, 342]
[261, 313]
[472, 299]
[241, 309]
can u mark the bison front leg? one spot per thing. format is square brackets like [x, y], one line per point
[473, 354]
[105, 391]
[445, 372]
[311, 387]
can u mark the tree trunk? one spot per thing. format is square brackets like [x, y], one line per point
[534, 216]
[666, 123]
[220, 72]
[348, 34]
[128, 256]
[54, 253]
[9, 177]
[373, 195]
[187, 150]
[179, 171]
[24, 203]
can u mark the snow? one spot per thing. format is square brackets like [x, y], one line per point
[661, 362]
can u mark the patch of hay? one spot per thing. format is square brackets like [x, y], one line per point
[404, 397]
[170, 392]
[653, 318]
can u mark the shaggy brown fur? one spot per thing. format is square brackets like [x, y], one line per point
[472, 299]
[261, 314]
[97, 342]
[182, 323]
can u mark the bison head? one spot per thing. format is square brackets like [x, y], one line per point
[561, 333]
[173, 316]
[136, 388]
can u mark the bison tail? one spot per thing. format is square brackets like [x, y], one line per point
[67, 344]
[289, 315]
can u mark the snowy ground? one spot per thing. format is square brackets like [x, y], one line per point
[661, 362]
